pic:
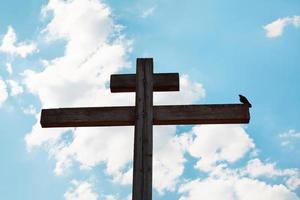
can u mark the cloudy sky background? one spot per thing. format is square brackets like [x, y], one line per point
[61, 54]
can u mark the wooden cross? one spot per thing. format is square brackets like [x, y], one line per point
[143, 116]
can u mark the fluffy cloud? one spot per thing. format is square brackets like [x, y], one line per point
[9, 68]
[226, 183]
[290, 134]
[148, 12]
[293, 182]
[256, 168]
[168, 158]
[3, 91]
[234, 188]
[190, 91]
[81, 191]
[10, 46]
[216, 143]
[289, 137]
[94, 50]
[30, 110]
[91, 146]
[15, 87]
[110, 197]
[39, 136]
[275, 28]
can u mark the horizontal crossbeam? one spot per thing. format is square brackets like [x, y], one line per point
[162, 115]
[161, 82]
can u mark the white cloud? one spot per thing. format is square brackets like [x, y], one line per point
[92, 146]
[30, 110]
[81, 191]
[290, 134]
[275, 28]
[124, 178]
[39, 136]
[3, 92]
[9, 68]
[110, 197]
[148, 12]
[15, 87]
[78, 77]
[289, 139]
[234, 188]
[216, 143]
[256, 168]
[190, 91]
[129, 197]
[168, 157]
[94, 50]
[227, 183]
[293, 182]
[10, 46]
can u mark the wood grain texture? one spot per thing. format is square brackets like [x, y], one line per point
[201, 114]
[89, 116]
[142, 162]
[161, 82]
[162, 115]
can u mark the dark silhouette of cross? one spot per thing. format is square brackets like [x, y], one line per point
[144, 115]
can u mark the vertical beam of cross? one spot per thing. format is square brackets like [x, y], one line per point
[143, 137]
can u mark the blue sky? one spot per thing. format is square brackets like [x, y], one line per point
[61, 53]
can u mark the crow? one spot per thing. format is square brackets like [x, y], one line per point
[244, 100]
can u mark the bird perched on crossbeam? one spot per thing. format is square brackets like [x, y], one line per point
[244, 100]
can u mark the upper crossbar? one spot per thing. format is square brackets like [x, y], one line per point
[161, 82]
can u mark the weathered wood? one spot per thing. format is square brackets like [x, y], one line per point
[161, 82]
[201, 114]
[89, 116]
[162, 115]
[142, 165]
